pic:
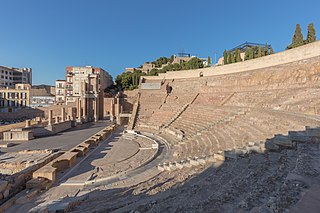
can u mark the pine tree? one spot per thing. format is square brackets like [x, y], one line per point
[209, 60]
[225, 57]
[271, 50]
[266, 50]
[233, 57]
[229, 58]
[259, 52]
[297, 39]
[311, 37]
[251, 53]
[247, 54]
[238, 56]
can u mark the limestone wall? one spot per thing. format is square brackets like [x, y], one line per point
[107, 107]
[56, 109]
[298, 74]
[24, 113]
[296, 54]
[59, 127]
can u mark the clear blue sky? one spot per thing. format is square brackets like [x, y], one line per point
[48, 35]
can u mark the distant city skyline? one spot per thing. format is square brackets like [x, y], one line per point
[50, 35]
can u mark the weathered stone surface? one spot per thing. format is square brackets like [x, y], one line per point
[194, 162]
[282, 140]
[299, 136]
[219, 157]
[161, 167]
[201, 161]
[313, 131]
[3, 185]
[274, 157]
[230, 154]
[271, 146]
[6, 193]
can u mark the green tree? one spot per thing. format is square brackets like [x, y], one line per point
[271, 51]
[225, 57]
[251, 53]
[128, 80]
[311, 37]
[229, 58]
[238, 56]
[297, 39]
[246, 54]
[209, 60]
[233, 57]
[193, 63]
[153, 72]
[266, 50]
[259, 54]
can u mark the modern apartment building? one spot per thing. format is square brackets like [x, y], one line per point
[10, 76]
[85, 89]
[13, 99]
[60, 91]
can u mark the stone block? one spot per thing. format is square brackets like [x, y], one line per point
[3, 185]
[47, 171]
[255, 148]
[282, 140]
[313, 131]
[219, 157]
[194, 162]
[201, 161]
[36, 183]
[262, 146]
[187, 164]
[230, 154]
[210, 159]
[166, 167]
[6, 193]
[299, 136]
[172, 166]
[160, 167]
[271, 146]
[251, 143]
[179, 165]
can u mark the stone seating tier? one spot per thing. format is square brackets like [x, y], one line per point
[252, 127]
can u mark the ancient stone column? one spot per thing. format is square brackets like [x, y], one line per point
[79, 109]
[28, 123]
[70, 113]
[50, 117]
[57, 119]
[117, 110]
[95, 110]
[112, 110]
[85, 109]
[63, 114]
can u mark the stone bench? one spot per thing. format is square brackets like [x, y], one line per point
[48, 172]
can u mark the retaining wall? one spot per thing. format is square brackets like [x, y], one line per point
[296, 54]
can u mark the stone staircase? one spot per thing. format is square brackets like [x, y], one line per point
[178, 113]
[134, 114]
